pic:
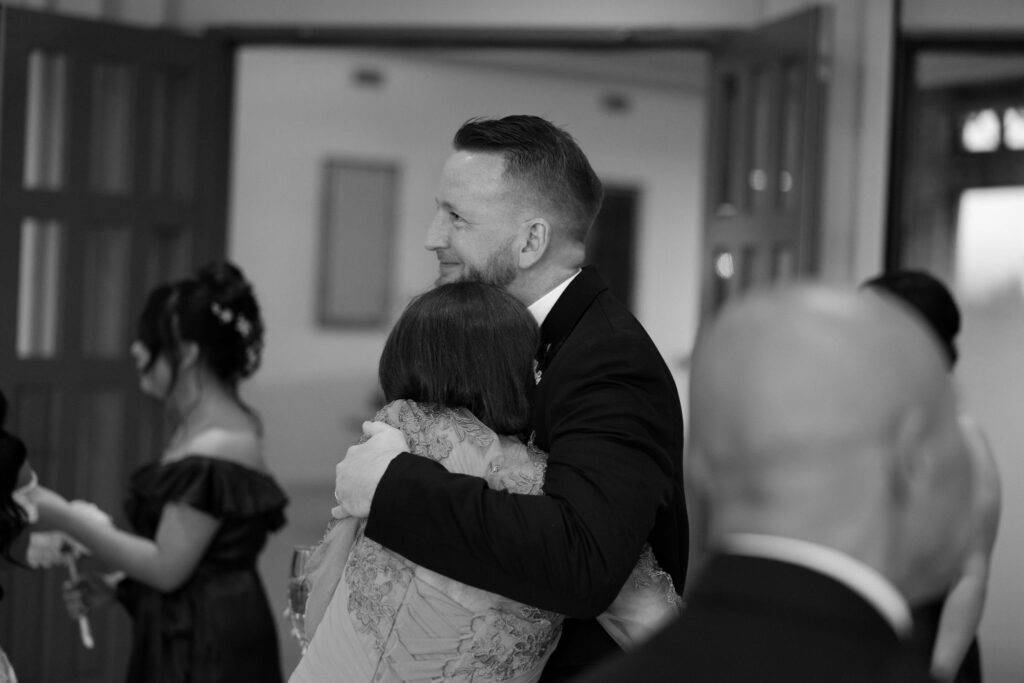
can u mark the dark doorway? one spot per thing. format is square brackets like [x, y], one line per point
[611, 244]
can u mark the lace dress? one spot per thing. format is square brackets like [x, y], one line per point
[218, 627]
[375, 616]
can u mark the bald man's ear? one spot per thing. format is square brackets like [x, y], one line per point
[909, 451]
[538, 239]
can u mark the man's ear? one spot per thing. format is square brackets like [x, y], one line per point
[538, 239]
[909, 449]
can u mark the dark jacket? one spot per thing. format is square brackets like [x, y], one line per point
[607, 412]
[752, 619]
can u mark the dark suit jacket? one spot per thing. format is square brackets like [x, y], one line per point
[751, 619]
[607, 412]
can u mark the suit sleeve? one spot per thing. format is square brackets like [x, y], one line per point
[609, 470]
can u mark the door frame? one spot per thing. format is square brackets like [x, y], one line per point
[909, 46]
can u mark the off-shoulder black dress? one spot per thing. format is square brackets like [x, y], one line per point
[218, 627]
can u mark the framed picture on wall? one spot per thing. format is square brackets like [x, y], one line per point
[356, 235]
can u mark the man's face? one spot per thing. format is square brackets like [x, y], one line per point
[476, 229]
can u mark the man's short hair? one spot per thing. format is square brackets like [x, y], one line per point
[546, 160]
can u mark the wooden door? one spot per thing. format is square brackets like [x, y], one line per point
[766, 100]
[113, 176]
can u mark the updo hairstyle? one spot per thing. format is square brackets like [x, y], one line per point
[464, 345]
[217, 310]
[12, 457]
[928, 297]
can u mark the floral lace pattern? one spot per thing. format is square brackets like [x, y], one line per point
[506, 647]
[502, 642]
[433, 431]
[648, 574]
[410, 623]
[376, 580]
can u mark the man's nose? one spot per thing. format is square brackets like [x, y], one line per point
[437, 235]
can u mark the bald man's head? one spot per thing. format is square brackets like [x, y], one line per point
[828, 415]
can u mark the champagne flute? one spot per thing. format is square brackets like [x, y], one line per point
[298, 591]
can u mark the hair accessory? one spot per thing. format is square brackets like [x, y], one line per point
[225, 315]
[228, 316]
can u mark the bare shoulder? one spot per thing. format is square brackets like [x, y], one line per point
[988, 488]
[244, 447]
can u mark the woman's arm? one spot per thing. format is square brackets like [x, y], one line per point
[164, 563]
[962, 610]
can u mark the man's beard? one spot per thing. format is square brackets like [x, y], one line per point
[500, 270]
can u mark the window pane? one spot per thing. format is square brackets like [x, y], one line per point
[793, 86]
[981, 131]
[168, 254]
[39, 286]
[173, 145]
[1013, 128]
[727, 157]
[989, 243]
[45, 120]
[106, 260]
[112, 128]
[724, 269]
[758, 177]
[101, 426]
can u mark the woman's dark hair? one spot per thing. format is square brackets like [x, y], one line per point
[12, 457]
[931, 299]
[464, 345]
[217, 310]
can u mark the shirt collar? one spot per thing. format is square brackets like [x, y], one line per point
[853, 573]
[542, 306]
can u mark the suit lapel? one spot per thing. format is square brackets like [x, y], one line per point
[566, 312]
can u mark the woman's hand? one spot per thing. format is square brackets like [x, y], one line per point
[88, 591]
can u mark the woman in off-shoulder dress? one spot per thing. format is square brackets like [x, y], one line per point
[201, 514]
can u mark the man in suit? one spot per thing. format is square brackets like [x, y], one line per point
[825, 442]
[514, 203]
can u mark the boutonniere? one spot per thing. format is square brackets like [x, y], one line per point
[537, 372]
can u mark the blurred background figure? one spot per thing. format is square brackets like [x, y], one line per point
[945, 630]
[826, 441]
[202, 512]
[17, 509]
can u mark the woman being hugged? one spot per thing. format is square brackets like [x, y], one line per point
[457, 371]
[201, 514]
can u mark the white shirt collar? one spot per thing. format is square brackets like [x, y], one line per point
[853, 573]
[542, 306]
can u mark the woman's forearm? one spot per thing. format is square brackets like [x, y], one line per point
[136, 556]
[958, 626]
